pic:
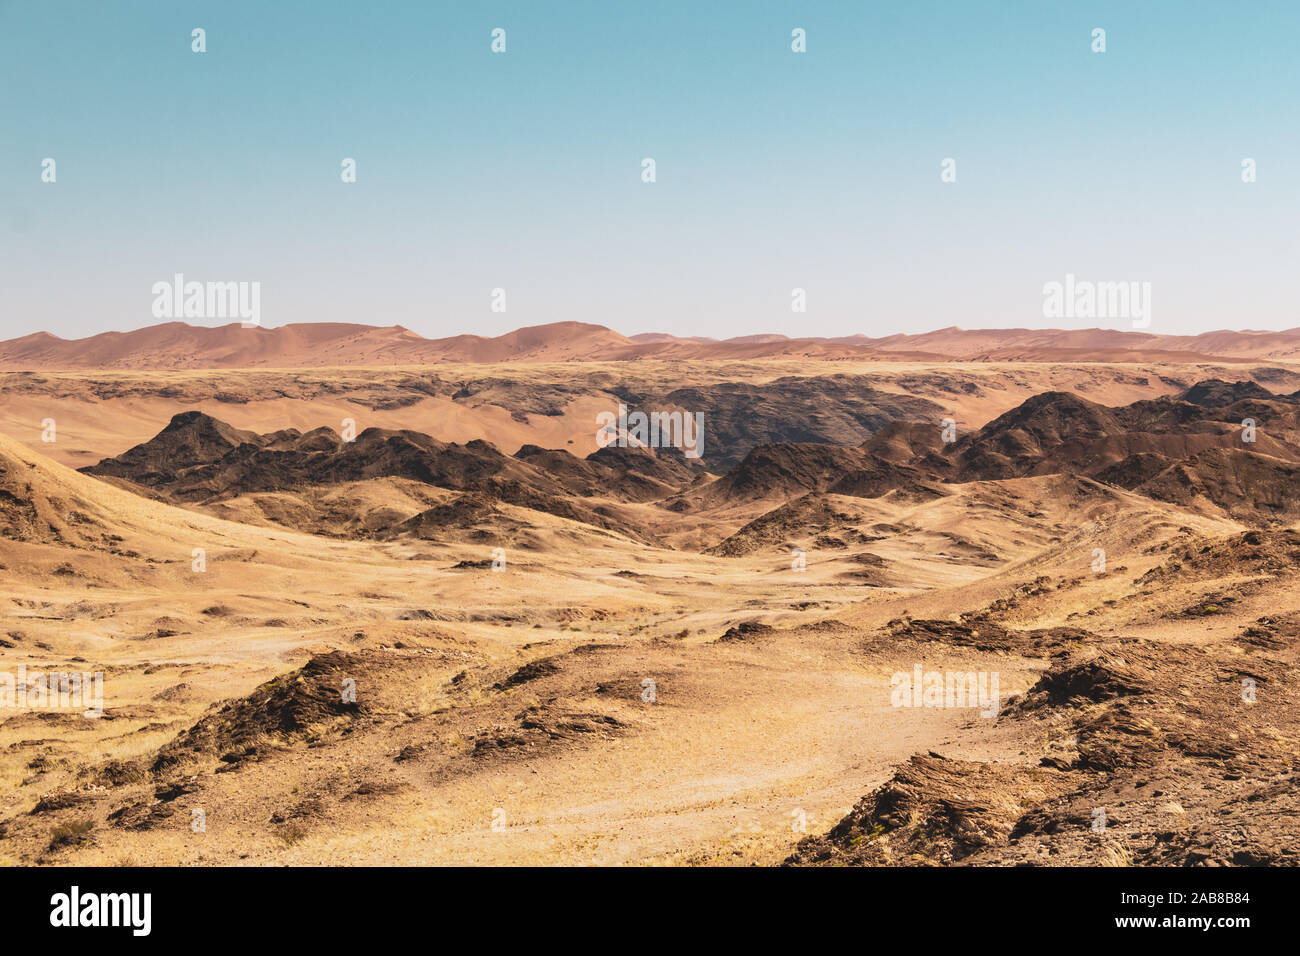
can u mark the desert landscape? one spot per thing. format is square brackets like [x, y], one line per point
[362, 597]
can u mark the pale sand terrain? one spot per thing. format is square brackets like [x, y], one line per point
[739, 738]
[744, 739]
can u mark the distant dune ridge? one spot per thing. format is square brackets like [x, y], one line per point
[177, 345]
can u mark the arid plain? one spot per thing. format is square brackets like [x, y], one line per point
[413, 613]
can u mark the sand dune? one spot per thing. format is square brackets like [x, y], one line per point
[176, 345]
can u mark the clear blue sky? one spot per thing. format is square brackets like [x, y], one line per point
[775, 169]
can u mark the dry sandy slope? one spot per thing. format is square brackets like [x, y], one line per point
[741, 736]
[734, 736]
[522, 691]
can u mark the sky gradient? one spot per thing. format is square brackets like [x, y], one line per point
[775, 170]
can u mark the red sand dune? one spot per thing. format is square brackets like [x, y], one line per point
[180, 346]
